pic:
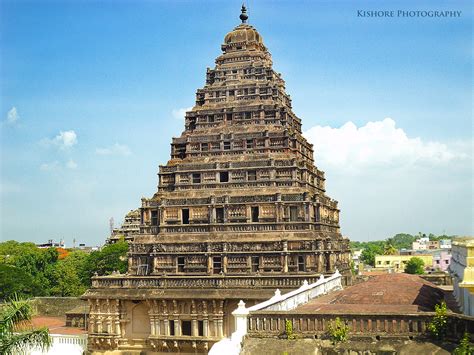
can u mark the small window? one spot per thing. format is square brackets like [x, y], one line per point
[254, 214]
[171, 324]
[301, 263]
[154, 218]
[249, 143]
[196, 178]
[200, 328]
[211, 118]
[293, 213]
[437, 261]
[224, 176]
[205, 147]
[185, 215]
[446, 261]
[231, 93]
[220, 215]
[216, 264]
[186, 327]
[226, 145]
[229, 115]
[379, 262]
[180, 263]
[252, 175]
[255, 263]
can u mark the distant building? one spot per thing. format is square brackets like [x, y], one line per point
[441, 260]
[462, 271]
[52, 244]
[129, 228]
[445, 244]
[398, 262]
[425, 244]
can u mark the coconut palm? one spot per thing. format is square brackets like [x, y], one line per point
[16, 332]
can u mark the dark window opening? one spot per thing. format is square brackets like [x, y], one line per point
[216, 264]
[247, 115]
[185, 216]
[301, 264]
[252, 175]
[180, 263]
[254, 214]
[255, 263]
[249, 143]
[220, 215]
[231, 93]
[210, 118]
[226, 145]
[171, 327]
[200, 328]
[154, 218]
[196, 178]
[186, 327]
[205, 147]
[316, 213]
[224, 176]
[229, 116]
[293, 213]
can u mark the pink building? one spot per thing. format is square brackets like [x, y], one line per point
[441, 260]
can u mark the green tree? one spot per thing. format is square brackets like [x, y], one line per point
[369, 253]
[415, 266]
[464, 347]
[338, 330]
[15, 335]
[388, 248]
[13, 281]
[438, 326]
[66, 279]
[111, 258]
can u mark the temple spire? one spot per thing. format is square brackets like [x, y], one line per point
[243, 16]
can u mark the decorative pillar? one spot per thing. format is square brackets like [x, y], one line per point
[167, 325]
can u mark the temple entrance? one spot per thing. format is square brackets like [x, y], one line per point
[140, 325]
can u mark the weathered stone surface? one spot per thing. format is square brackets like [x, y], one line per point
[240, 210]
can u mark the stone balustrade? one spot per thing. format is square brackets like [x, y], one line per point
[216, 281]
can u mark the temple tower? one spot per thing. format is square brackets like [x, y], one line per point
[240, 210]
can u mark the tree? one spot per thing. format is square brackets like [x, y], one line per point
[15, 337]
[369, 253]
[13, 281]
[388, 248]
[438, 326]
[415, 266]
[111, 258]
[66, 280]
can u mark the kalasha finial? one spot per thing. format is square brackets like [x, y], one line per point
[243, 16]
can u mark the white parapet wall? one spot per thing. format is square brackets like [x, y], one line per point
[64, 345]
[279, 302]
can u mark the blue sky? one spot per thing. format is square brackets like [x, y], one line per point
[90, 92]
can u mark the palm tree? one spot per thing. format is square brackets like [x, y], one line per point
[388, 248]
[16, 332]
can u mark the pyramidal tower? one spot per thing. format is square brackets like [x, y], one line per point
[240, 211]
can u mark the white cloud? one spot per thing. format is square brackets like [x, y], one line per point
[179, 113]
[54, 165]
[387, 182]
[376, 144]
[71, 164]
[64, 140]
[116, 149]
[12, 116]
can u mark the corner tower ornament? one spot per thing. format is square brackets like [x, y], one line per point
[243, 16]
[240, 210]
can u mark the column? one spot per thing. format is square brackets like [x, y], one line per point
[205, 322]
[177, 326]
[167, 326]
[152, 326]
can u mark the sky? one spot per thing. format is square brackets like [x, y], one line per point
[93, 91]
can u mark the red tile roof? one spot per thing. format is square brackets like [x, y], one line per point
[386, 293]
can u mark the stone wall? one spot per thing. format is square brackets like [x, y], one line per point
[325, 347]
[57, 306]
